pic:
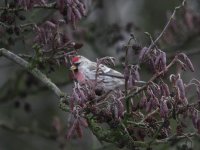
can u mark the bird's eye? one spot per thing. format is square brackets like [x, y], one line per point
[77, 64]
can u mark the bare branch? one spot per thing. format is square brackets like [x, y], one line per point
[35, 72]
[47, 6]
[175, 137]
[152, 79]
[167, 25]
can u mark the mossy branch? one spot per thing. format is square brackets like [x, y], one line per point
[35, 72]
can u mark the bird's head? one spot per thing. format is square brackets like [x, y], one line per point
[77, 61]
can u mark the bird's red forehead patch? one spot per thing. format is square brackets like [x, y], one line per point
[75, 59]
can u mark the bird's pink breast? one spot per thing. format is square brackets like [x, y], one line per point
[80, 77]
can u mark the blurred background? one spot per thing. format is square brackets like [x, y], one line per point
[29, 112]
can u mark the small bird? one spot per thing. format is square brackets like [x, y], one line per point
[85, 70]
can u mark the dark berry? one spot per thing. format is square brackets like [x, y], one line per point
[27, 107]
[21, 17]
[17, 104]
[10, 19]
[166, 123]
[17, 30]
[78, 45]
[9, 30]
[136, 48]
[12, 4]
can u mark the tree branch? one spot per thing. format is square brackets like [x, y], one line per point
[174, 137]
[35, 72]
[152, 79]
[47, 6]
[167, 25]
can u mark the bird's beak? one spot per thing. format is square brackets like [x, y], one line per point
[73, 67]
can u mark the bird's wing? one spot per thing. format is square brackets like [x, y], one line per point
[92, 67]
[102, 68]
[107, 77]
[110, 72]
[105, 71]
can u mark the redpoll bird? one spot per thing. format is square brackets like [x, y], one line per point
[106, 78]
[86, 70]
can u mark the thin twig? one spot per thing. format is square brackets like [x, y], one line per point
[149, 115]
[151, 46]
[152, 79]
[126, 130]
[47, 6]
[126, 79]
[156, 133]
[174, 137]
[167, 25]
